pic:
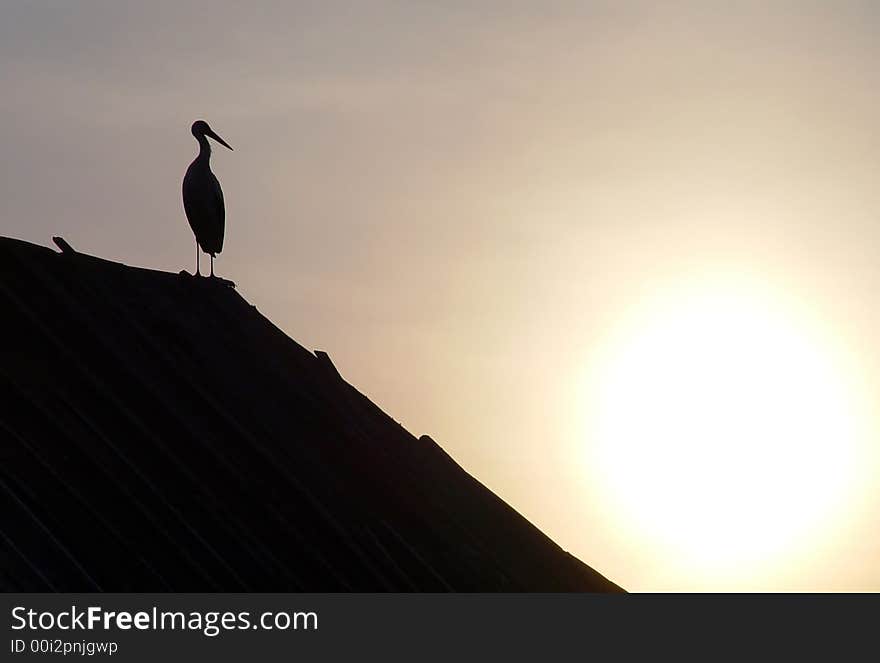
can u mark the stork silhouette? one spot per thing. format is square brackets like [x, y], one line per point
[203, 197]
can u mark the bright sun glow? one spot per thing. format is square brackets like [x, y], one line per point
[725, 432]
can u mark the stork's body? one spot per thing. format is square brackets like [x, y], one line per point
[203, 197]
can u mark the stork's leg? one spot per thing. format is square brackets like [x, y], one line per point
[212, 265]
[197, 259]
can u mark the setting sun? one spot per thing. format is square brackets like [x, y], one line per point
[727, 431]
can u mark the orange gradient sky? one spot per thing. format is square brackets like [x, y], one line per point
[619, 259]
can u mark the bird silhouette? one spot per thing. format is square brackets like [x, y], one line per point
[203, 197]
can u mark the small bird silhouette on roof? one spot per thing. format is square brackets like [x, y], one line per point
[203, 197]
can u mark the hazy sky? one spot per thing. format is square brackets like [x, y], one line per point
[465, 203]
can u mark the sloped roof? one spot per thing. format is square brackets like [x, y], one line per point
[158, 433]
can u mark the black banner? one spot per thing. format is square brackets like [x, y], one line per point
[285, 627]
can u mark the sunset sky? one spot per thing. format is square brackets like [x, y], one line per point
[621, 260]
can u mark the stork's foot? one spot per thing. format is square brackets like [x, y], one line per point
[183, 272]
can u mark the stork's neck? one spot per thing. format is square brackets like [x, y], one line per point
[204, 149]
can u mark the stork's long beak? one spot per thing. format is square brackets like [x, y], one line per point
[211, 134]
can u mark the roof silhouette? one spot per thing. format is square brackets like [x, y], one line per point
[158, 433]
